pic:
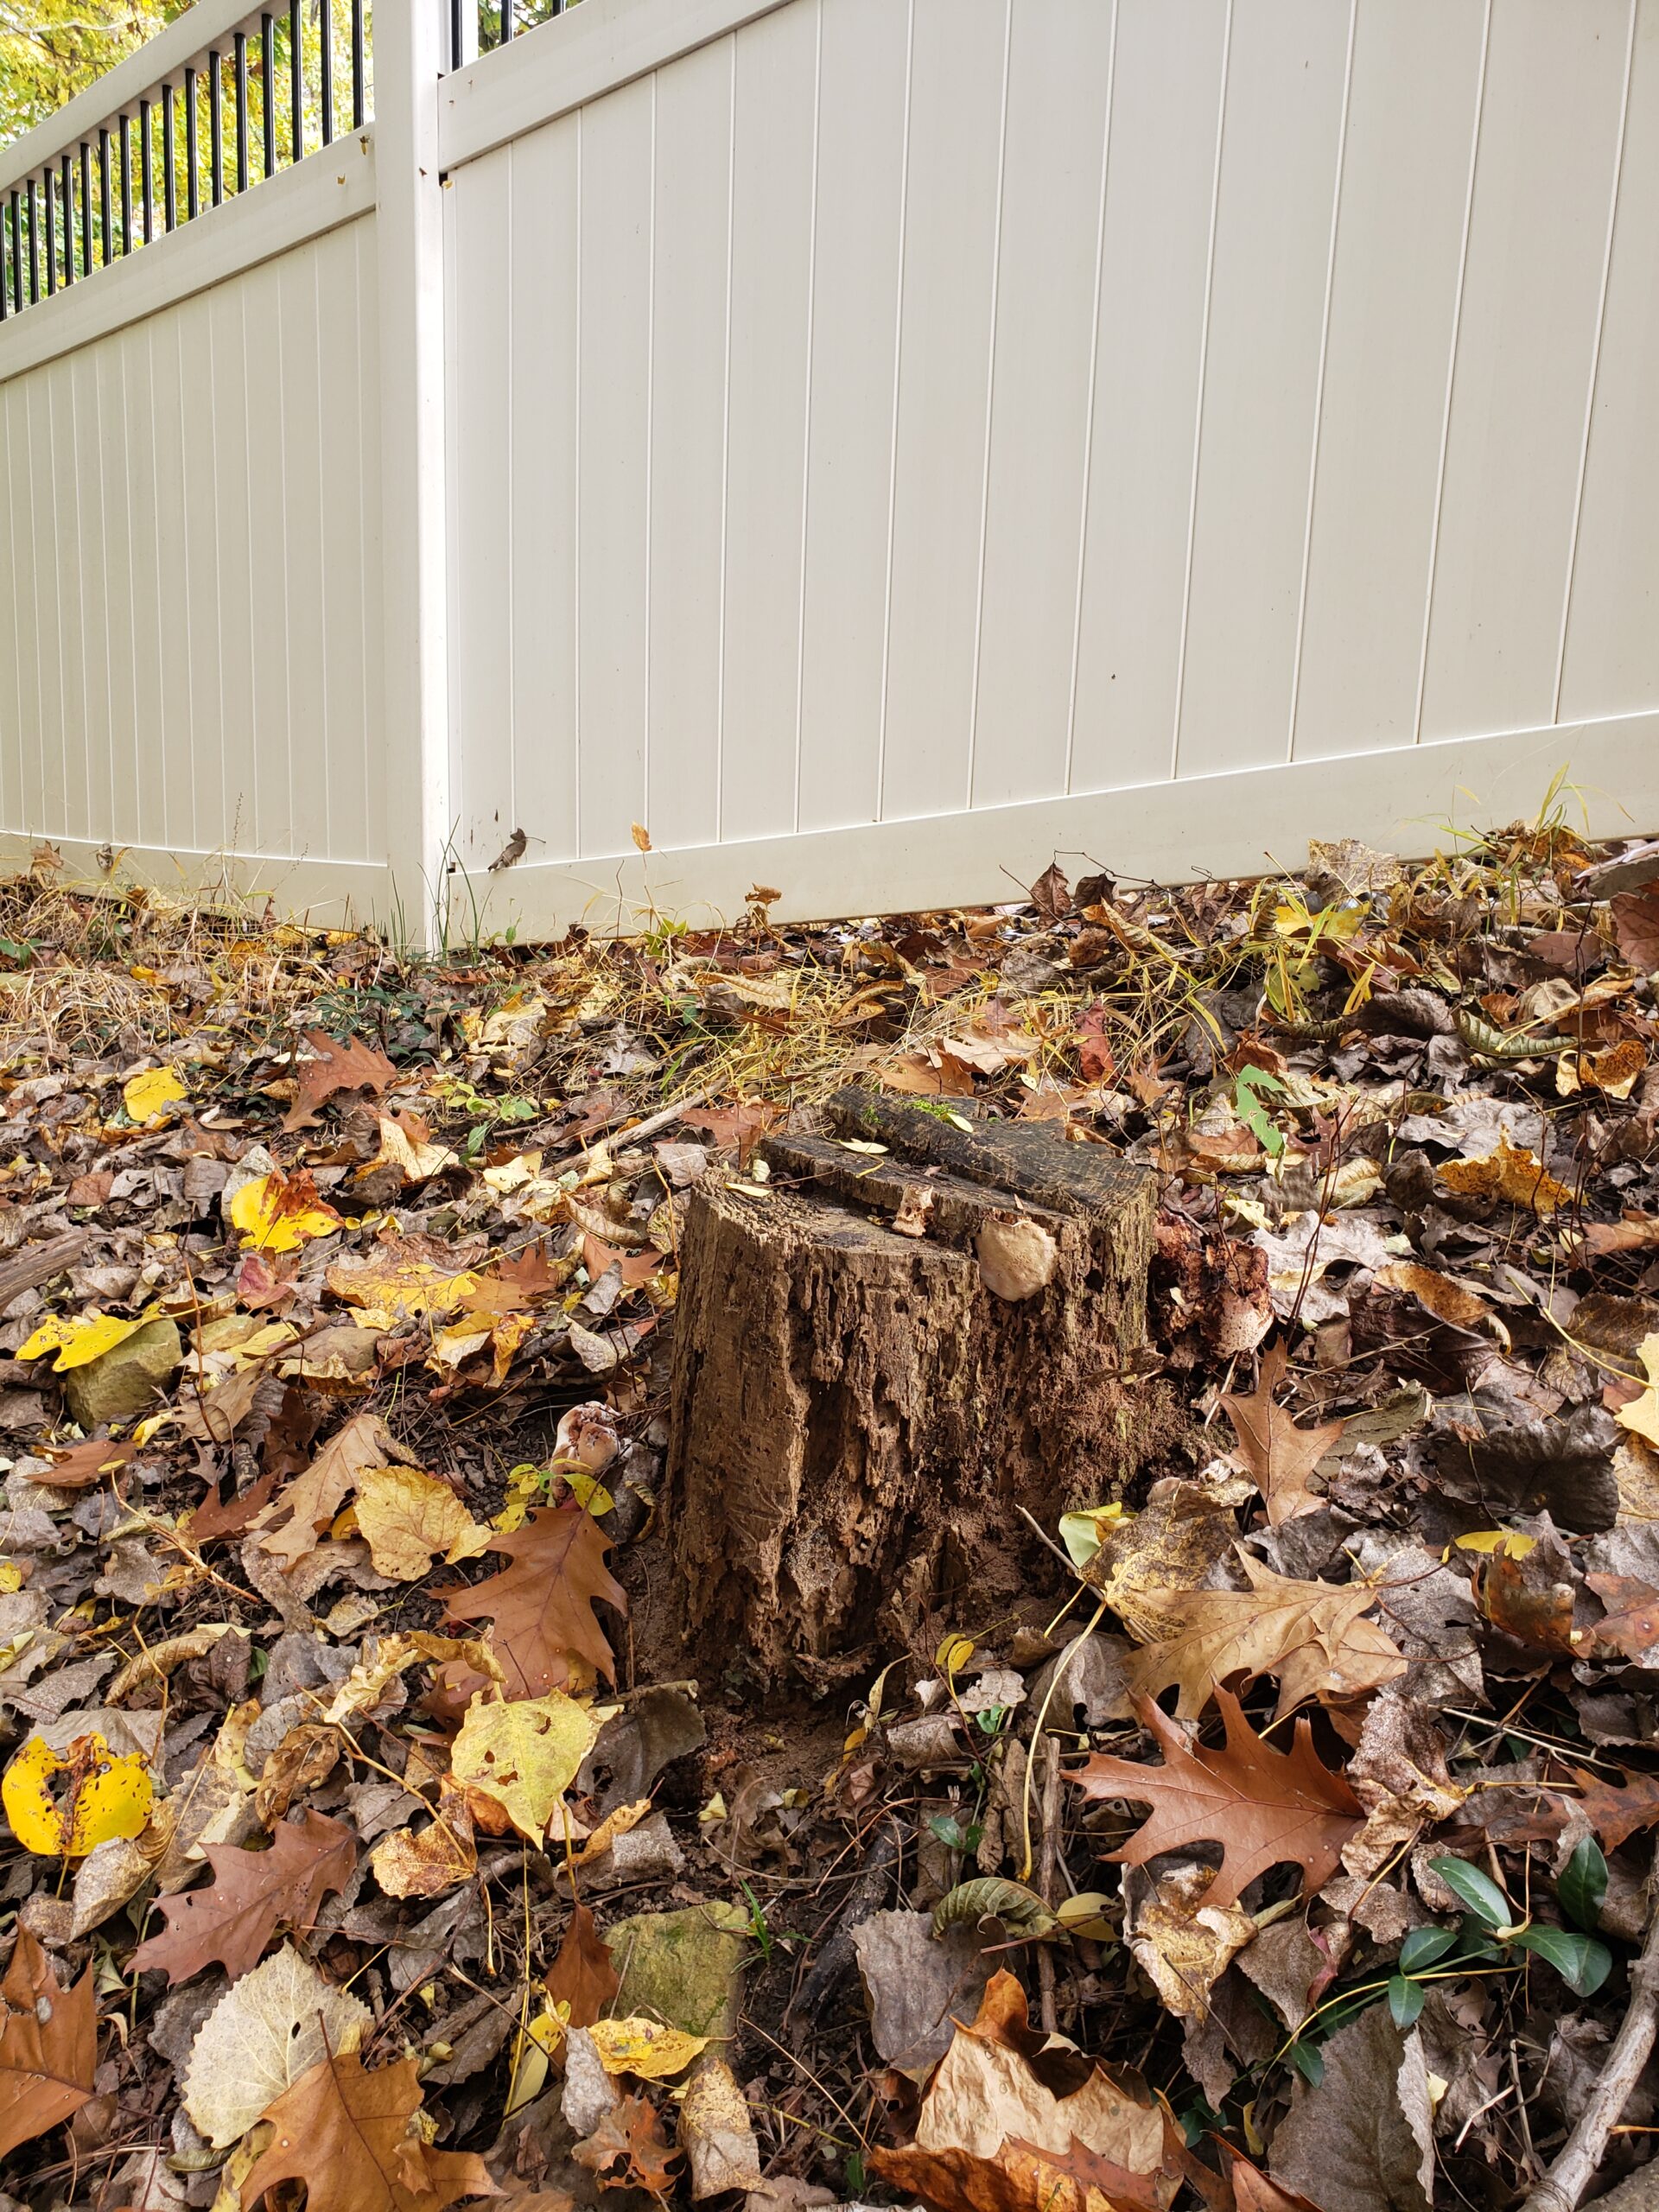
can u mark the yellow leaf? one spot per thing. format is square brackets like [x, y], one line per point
[78, 1338]
[1489, 1541]
[409, 1517]
[149, 1093]
[113, 1797]
[412, 1151]
[1512, 1173]
[11, 1577]
[953, 1654]
[1085, 1914]
[525, 1485]
[390, 1280]
[524, 1755]
[641, 836]
[277, 1215]
[1081, 1533]
[587, 1490]
[645, 2047]
[1642, 1414]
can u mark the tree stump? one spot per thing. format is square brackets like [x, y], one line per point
[879, 1356]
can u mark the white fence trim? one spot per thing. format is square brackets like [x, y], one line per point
[599, 46]
[178, 48]
[1250, 822]
[317, 194]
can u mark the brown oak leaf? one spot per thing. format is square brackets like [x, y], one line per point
[1310, 1634]
[1264, 1807]
[1615, 1814]
[630, 2136]
[49, 2045]
[351, 2137]
[81, 1464]
[582, 1975]
[543, 1604]
[336, 1067]
[252, 1891]
[1632, 1622]
[1277, 1455]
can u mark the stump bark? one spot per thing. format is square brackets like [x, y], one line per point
[880, 1354]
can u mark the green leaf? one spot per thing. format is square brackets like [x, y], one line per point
[1582, 1963]
[1248, 1106]
[1584, 1884]
[1405, 2000]
[1478, 1890]
[1423, 1946]
[1309, 2061]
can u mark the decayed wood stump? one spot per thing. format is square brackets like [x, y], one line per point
[857, 1411]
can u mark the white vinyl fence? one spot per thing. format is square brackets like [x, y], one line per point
[867, 445]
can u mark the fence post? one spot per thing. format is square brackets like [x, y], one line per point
[408, 51]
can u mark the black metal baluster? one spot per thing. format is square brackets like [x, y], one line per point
[34, 241]
[5, 281]
[68, 184]
[268, 89]
[506, 20]
[295, 81]
[106, 216]
[216, 128]
[147, 167]
[17, 252]
[243, 180]
[455, 32]
[169, 161]
[126, 184]
[51, 235]
[359, 88]
[326, 25]
[86, 264]
[192, 148]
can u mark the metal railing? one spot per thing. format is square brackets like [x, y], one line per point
[215, 104]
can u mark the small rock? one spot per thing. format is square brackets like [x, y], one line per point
[685, 1967]
[127, 1378]
[50, 1921]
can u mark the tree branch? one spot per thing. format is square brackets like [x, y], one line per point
[1571, 2174]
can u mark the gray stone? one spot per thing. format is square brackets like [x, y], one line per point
[127, 1379]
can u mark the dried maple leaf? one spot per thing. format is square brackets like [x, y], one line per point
[583, 1976]
[216, 1517]
[1264, 1807]
[252, 1892]
[543, 1604]
[1277, 1455]
[335, 1067]
[1310, 1634]
[49, 2045]
[629, 2136]
[352, 2138]
[1512, 1173]
[1616, 1815]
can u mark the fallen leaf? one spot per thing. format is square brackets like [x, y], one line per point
[354, 2139]
[1181, 1940]
[312, 1499]
[1278, 1456]
[252, 1892]
[1616, 1072]
[82, 1465]
[1364, 2136]
[1635, 916]
[1309, 1634]
[1632, 1624]
[582, 1978]
[106, 1795]
[1446, 1300]
[645, 2047]
[716, 2133]
[915, 1981]
[1641, 1416]
[543, 1603]
[148, 1095]
[333, 1068]
[278, 1212]
[425, 1862]
[49, 2045]
[1618, 1813]
[1266, 1807]
[406, 1144]
[629, 2136]
[522, 1756]
[79, 1338]
[1510, 1173]
[409, 1518]
[270, 2028]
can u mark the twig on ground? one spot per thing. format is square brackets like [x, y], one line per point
[1047, 1864]
[1572, 2172]
[32, 1268]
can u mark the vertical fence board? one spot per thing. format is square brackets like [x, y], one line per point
[951, 199]
[1612, 658]
[149, 558]
[197, 581]
[613, 407]
[1059, 65]
[93, 798]
[230, 827]
[1154, 264]
[1412, 119]
[1284, 103]
[774, 125]
[1526, 350]
[120, 641]
[692, 218]
[271, 667]
[345, 678]
[49, 490]
[71, 748]
[862, 99]
[306, 583]
[544, 370]
[12, 510]
[483, 420]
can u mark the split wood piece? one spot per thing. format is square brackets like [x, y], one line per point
[880, 1359]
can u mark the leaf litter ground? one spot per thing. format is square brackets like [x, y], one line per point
[364, 1836]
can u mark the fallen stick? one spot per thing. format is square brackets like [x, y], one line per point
[32, 1268]
[1573, 2169]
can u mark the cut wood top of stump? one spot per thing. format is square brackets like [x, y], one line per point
[1025, 1161]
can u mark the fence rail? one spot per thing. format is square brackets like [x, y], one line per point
[868, 443]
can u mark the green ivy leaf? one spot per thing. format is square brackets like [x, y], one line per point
[1405, 2000]
[1309, 2061]
[1478, 1890]
[1584, 1884]
[1582, 1963]
[1423, 1946]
